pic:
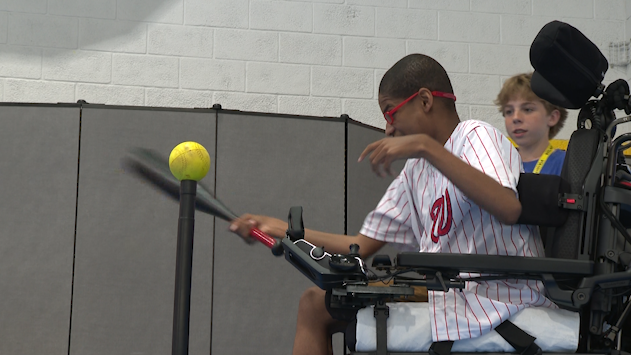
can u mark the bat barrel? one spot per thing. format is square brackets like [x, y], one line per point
[183, 268]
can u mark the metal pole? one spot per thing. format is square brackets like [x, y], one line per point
[183, 267]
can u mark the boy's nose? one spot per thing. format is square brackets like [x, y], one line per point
[516, 116]
[389, 130]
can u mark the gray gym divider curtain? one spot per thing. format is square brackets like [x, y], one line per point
[108, 288]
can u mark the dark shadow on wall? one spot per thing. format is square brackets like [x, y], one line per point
[46, 29]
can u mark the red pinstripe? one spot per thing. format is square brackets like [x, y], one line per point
[484, 310]
[456, 313]
[401, 224]
[445, 314]
[391, 208]
[496, 311]
[419, 176]
[495, 146]
[395, 217]
[434, 305]
[513, 240]
[472, 312]
[483, 234]
[466, 303]
[464, 230]
[487, 154]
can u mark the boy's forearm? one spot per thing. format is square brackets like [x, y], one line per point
[339, 243]
[487, 193]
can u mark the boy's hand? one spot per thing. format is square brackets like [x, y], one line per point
[387, 150]
[271, 226]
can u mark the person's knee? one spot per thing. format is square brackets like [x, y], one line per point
[312, 334]
[313, 295]
[312, 301]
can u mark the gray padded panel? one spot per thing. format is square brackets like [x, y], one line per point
[265, 165]
[126, 237]
[39, 147]
[364, 187]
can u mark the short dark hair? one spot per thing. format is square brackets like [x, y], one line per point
[413, 72]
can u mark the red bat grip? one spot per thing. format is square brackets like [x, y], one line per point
[262, 237]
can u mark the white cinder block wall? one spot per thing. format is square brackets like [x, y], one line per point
[320, 57]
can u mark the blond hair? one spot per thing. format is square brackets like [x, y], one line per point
[519, 85]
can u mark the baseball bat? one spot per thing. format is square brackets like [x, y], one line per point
[151, 167]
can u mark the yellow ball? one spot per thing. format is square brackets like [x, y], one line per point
[189, 161]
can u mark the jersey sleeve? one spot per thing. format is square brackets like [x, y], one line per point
[390, 220]
[488, 150]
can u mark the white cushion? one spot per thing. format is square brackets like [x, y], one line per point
[556, 330]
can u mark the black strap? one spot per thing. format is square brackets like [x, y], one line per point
[441, 348]
[381, 312]
[339, 311]
[523, 342]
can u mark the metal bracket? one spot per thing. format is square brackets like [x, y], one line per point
[572, 201]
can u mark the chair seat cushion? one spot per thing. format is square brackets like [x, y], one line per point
[556, 330]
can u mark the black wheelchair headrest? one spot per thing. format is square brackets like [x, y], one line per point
[569, 68]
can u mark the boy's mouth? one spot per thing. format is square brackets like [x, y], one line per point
[519, 132]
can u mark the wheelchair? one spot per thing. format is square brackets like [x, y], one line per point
[587, 263]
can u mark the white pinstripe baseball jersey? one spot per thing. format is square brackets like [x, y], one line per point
[424, 210]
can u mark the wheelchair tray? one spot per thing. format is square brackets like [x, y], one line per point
[514, 265]
[318, 269]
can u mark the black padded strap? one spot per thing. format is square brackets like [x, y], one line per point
[381, 313]
[339, 313]
[523, 342]
[350, 335]
[539, 198]
[441, 348]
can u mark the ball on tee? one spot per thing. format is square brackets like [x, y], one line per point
[189, 161]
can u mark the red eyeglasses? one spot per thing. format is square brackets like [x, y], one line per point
[389, 115]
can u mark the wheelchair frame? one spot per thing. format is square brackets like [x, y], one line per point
[589, 250]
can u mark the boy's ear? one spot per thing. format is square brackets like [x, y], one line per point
[555, 115]
[426, 98]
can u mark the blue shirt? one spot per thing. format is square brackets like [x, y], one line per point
[552, 166]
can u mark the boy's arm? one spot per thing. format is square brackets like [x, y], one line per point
[333, 243]
[487, 193]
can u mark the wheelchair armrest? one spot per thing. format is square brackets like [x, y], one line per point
[513, 265]
[539, 197]
[544, 269]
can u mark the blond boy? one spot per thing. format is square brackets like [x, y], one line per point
[531, 122]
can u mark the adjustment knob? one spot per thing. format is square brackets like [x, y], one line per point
[343, 263]
[354, 250]
[317, 253]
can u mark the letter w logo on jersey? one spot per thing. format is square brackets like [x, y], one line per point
[441, 215]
